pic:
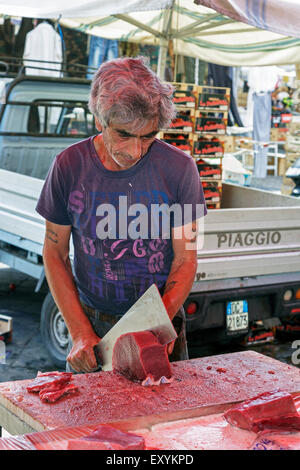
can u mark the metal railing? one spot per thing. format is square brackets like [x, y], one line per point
[16, 66]
[243, 153]
[84, 127]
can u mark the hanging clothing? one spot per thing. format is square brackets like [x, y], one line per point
[101, 49]
[19, 44]
[43, 43]
[221, 76]
[260, 79]
[262, 108]
[76, 50]
[6, 38]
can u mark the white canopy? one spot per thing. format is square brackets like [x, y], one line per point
[280, 16]
[77, 8]
[196, 30]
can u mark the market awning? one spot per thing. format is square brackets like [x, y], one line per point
[196, 30]
[279, 16]
[77, 8]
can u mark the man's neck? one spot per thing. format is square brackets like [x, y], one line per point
[103, 154]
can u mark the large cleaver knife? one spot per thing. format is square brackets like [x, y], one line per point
[148, 313]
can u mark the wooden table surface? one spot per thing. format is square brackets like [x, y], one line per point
[105, 397]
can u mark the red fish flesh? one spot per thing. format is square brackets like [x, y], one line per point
[289, 422]
[114, 437]
[140, 355]
[49, 379]
[80, 444]
[51, 386]
[268, 410]
[105, 437]
[52, 395]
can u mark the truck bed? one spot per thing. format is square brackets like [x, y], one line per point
[21, 227]
[254, 233]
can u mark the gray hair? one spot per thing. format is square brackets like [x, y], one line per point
[125, 90]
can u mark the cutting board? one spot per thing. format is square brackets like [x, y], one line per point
[200, 428]
[105, 397]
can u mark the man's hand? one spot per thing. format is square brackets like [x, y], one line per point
[82, 357]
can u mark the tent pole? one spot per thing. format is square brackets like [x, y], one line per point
[196, 71]
[162, 58]
[164, 42]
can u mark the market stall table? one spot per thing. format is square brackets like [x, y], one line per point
[209, 384]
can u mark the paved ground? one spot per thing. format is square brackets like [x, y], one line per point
[26, 354]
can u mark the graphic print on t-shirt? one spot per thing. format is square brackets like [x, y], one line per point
[120, 269]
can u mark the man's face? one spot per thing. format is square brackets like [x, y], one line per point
[126, 144]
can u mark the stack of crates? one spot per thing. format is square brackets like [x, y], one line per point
[181, 132]
[292, 153]
[211, 117]
[198, 129]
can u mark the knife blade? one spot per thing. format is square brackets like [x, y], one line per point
[148, 313]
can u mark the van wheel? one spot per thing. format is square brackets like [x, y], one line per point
[54, 332]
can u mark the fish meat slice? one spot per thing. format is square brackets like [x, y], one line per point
[76, 444]
[47, 379]
[51, 386]
[52, 395]
[104, 437]
[140, 356]
[116, 437]
[275, 409]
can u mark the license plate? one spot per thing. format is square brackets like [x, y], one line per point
[237, 316]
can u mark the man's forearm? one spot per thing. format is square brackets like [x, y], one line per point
[60, 280]
[178, 285]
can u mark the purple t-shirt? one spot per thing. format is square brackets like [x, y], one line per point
[116, 256]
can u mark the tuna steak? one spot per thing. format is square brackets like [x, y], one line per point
[80, 444]
[51, 386]
[268, 410]
[140, 355]
[105, 437]
[76, 444]
[49, 380]
[290, 422]
[109, 435]
[51, 395]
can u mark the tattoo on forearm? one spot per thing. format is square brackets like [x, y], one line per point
[169, 286]
[51, 236]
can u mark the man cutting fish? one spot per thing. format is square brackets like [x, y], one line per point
[105, 192]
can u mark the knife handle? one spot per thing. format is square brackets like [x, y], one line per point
[98, 358]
